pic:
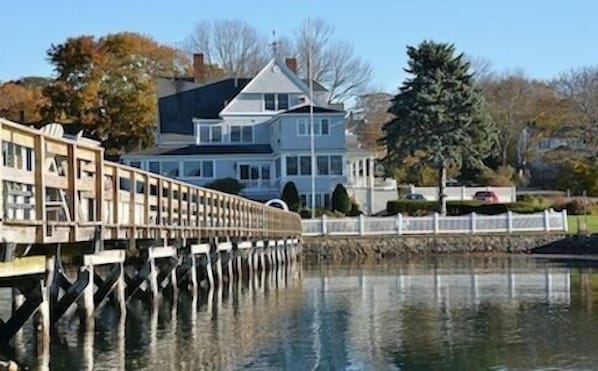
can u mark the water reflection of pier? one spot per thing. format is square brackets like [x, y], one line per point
[209, 329]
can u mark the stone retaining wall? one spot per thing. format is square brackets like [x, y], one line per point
[335, 249]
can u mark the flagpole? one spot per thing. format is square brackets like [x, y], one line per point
[311, 124]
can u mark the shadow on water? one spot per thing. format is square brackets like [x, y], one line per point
[450, 313]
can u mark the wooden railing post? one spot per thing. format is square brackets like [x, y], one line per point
[546, 221]
[436, 223]
[72, 190]
[509, 221]
[116, 199]
[146, 206]
[169, 195]
[1, 177]
[99, 177]
[40, 185]
[132, 205]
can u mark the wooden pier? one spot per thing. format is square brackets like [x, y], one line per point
[76, 230]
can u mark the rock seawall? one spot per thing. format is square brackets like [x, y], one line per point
[336, 248]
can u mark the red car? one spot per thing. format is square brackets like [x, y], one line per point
[486, 196]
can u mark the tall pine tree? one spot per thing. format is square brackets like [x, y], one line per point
[439, 114]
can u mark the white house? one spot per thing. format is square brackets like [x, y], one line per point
[256, 130]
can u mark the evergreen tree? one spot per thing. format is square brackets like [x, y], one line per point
[439, 113]
[290, 195]
[340, 199]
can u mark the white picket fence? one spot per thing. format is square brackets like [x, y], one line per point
[547, 221]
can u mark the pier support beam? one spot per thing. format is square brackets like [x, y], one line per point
[86, 307]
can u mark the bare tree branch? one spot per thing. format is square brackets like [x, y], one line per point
[580, 88]
[237, 47]
[334, 63]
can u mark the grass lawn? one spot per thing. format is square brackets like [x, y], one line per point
[573, 221]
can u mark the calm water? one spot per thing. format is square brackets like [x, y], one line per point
[449, 313]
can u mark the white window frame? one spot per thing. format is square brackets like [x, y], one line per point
[210, 134]
[302, 121]
[260, 181]
[328, 156]
[201, 169]
[276, 103]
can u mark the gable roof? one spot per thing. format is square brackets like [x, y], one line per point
[205, 150]
[301, 84]
[178, 110]
[306, 109]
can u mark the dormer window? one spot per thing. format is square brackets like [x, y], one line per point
[283, 101]
[276, 102]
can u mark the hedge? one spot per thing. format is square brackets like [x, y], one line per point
[420, 208]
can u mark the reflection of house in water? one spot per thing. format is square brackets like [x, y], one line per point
[357, 321]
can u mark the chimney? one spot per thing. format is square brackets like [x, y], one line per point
[199, 68]
[292, 64]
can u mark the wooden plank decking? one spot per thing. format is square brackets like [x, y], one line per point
[58, 190]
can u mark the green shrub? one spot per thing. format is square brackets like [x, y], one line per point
[420, 208]
[411, 208]
[306, 213]
[290, 195]
[501, 177]
[226, 185]
[579, 175]
[354, 209]
[340, 199]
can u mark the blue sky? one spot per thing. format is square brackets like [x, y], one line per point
[542, 38]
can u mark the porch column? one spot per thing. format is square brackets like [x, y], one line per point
[371, 183]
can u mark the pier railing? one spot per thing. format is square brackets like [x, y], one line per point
[57, 189]
[547, 221]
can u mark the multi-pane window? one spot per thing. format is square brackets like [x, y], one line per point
[169, 168]
[202, 169]
[292, 165]
[276, 102]
[302, 127]
[324, 126]
[277, 167]
[269, 102]
[305, 165]
[136, 164]
[17, 156]
[321, 127]
[241, 134]
[325, 165]
[336, 165]
[283, 101]
[256, 173]
[154, 167]
[210, 134]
